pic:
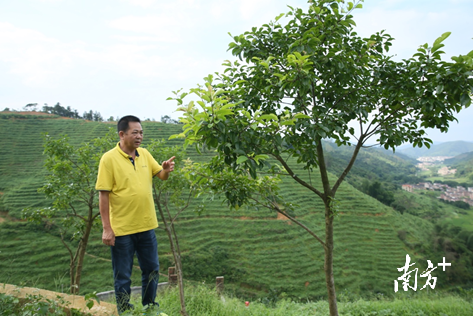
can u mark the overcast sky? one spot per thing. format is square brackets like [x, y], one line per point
[122, 57]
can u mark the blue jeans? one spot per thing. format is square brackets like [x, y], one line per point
[145, 246]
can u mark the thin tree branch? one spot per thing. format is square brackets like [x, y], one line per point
[323, 169]
[296, 178]
[183, 208]
[75, 212]
[349, 166]
[275, 207]
[67, 247]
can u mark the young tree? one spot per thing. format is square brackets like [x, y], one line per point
[172, 197]
[72, 173]
[191, 182]
[30, 107]
[168, 120]
[312, 79]
[89, 116]
[97, 117]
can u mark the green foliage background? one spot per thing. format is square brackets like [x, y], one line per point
[259, 254]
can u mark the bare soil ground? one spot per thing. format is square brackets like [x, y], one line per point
[28, 113]
[76, 301]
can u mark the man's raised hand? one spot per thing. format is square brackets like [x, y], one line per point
[168, 165]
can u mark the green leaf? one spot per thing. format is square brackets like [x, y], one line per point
[190, 105]
[90, 304]
[181, 135]
[223, 112]
[202, 104]
[268, 117]
[465, 99]
[226, 106]
[279, 16]
[258, 157]
[301, 115]
[288, 122]
[219, 92]
[439, 40]
[436, 48]
[247, 114]
[241, 159]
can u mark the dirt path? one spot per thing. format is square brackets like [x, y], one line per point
[5, 217]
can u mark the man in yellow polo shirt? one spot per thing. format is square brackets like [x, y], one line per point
[127, 210]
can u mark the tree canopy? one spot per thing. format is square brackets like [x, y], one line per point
[311, 78]
[70, 184]
[315, 78]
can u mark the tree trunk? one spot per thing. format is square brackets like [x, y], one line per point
[169, 228]
[177, 259]
[72, 260]
[328, 263]
[81, 255]
[72, 275]
[328, 197]
[181, 286]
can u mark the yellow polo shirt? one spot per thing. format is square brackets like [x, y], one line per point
[130, 186]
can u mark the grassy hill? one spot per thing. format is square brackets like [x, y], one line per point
[372, 164]
[259, 253]
[465, 158]
[443, 149]
[464, 165]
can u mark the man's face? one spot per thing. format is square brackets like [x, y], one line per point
[133, 137]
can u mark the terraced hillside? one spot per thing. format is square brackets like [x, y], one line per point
[259, 253]
[22, 165]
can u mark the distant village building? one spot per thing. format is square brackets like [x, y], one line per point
[426, 162]
[446, 171]
[447, 193]
[424, 185]
[458, 193]
[407, 187]
[432, 186]
[433, 159]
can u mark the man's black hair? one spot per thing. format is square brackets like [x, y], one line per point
[122, 125]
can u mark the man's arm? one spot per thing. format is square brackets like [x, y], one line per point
[108, 236]
[168, 167]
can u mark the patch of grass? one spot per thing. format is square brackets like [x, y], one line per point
[203, 301]
[463, 219]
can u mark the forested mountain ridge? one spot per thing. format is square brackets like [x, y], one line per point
[460, 159]
[448, 149]
[463, 164]
[372, 164]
